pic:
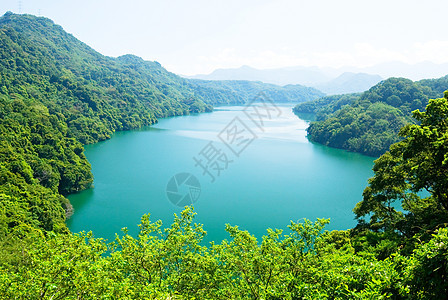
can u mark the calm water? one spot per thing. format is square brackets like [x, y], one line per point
[280, 176]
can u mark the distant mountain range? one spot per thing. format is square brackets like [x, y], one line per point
[419, 71]
[331, 80]
[324, 80]
[348, 82]
[308, 76]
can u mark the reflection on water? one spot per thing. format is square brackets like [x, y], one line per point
[279, 177]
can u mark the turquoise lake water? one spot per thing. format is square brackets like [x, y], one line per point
[276, 175]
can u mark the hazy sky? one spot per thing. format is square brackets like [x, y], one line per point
[198, 36]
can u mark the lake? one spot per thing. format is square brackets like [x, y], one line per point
[262, 175]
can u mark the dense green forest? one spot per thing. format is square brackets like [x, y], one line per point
[369, 123]
[57, 94]
[93, 94]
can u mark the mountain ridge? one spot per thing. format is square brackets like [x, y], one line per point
[324, 77]
[345, 82]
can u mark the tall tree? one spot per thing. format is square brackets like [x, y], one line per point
[414, 173]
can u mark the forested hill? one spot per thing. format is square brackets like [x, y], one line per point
[56, 94]
[95, 94]
[242, 91]
[369, 122]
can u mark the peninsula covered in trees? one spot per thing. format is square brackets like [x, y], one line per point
[369, 122]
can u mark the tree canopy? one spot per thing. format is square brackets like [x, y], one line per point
[369, 123]
[409, 191]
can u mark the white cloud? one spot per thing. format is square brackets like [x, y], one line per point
[435, 51]
[359, 55]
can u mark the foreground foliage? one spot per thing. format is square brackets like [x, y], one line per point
[408, 196]
[305, 263]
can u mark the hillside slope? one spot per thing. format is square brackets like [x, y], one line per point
[56, 94]
[96, 94]
[369, 123]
